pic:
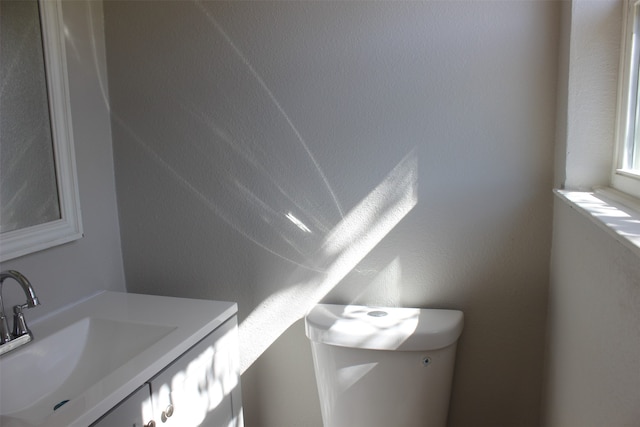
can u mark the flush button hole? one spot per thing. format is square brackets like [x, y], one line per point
[377, 313]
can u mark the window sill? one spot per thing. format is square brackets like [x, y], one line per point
[613, 211]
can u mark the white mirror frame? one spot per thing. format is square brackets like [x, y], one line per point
[69, 227]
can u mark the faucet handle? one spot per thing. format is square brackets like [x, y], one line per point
[19, 323]
[5, 335]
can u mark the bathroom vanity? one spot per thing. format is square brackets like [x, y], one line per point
[126, 359]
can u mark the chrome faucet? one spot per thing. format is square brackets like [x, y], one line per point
[21, 333]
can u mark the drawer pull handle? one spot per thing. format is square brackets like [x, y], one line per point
[150, 424]
[167, 413]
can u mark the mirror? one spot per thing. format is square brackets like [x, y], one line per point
[39, 206]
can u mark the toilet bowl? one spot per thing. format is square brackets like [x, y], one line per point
[382, 367]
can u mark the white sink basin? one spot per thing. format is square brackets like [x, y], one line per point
[68, 362]
[86, 359]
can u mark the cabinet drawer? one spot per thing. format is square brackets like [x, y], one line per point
[197, 389]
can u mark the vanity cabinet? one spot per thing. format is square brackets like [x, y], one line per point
[201, 388]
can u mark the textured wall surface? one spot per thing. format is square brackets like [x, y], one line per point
[67, 273]
[593, 56]
[593, 373]
[281, 153]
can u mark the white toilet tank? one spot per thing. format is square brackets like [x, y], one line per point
[383, 367]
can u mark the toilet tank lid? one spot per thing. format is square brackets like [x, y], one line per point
[383, 328]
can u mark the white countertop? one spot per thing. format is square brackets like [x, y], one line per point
[190, 321]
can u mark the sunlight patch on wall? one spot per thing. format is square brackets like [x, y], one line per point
[291, 217]
[384, 287]
[343, 248]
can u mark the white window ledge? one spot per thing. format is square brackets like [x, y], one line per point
[611, 210]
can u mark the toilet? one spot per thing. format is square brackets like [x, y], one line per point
[382, 367]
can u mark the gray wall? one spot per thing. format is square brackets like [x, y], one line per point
[413, 140]
[68, 273]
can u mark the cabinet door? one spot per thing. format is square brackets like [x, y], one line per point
[134, 411]
[198, 389]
